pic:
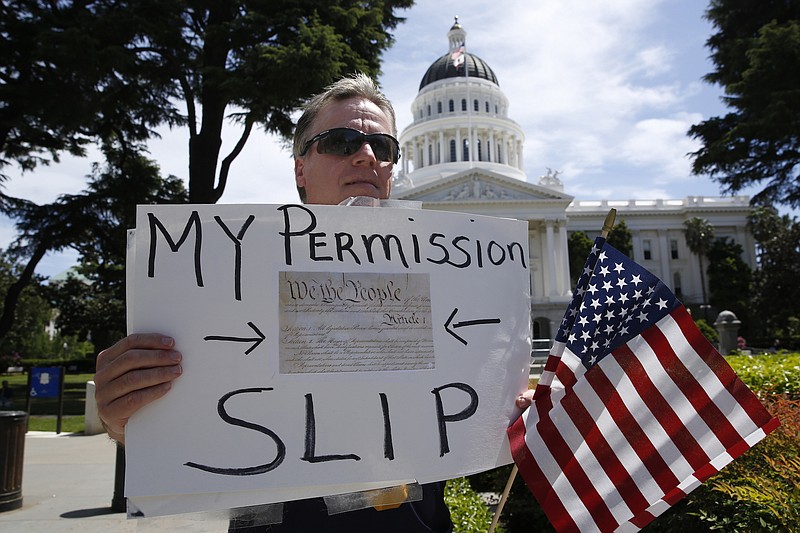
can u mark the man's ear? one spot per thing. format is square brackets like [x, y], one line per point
[299, 172]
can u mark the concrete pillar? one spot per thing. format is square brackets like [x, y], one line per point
[727, 326]
[92, 425]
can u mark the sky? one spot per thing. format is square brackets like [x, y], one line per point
[604, 91]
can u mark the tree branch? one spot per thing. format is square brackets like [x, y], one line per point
[226, 163]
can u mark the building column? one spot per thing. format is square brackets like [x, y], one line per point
[663, 249]
[440, 157]
[459, 146]
[638, 255]
[550, 262]
[491, 147]
[562, 263]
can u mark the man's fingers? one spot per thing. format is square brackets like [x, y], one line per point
[115, 414]
[135, 341]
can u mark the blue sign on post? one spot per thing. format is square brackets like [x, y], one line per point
[45, 382]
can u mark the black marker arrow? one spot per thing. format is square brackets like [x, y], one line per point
[465, 323]
[255, 340]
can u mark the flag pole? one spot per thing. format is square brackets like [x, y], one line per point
[608, 225]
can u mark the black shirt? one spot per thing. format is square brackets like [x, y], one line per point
[430, 514]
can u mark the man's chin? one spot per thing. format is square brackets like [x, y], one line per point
[363, 189]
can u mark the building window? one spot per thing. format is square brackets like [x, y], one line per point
[430, 154]
[476, 106]
[465, 148]
[499, 154]
[452, 106]
[429, 109]
[676, 284]
[647, 249]
[673, 248]
[452, 150]
[495, 109]
[463, 104]
[487, 106]
[478, 146]
[439, 107]
[420, 113]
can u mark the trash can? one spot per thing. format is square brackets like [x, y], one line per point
[13, 425]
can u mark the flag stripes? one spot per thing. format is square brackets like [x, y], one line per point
[614, 438]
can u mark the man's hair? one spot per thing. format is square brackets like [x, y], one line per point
[358, 85]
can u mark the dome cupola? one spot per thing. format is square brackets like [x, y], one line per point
[457, 62]
[460, 121]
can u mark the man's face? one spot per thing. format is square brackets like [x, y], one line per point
[330, 179]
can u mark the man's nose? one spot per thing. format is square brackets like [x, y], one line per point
[365, 154]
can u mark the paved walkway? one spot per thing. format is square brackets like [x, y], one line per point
[68, 485]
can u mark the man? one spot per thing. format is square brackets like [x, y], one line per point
[344, 146]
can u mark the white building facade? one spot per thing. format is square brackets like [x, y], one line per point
[464, 153]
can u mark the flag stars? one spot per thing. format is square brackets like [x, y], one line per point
[607, 286]
[609, 314]
[621, 283]
[661, 303]
[592, 288]
[602, 257]
[636, 280]
[604, 271]
[586, 335]
[618, 268]
[623, 298]
[642, 317]
[595, 303]
[637, 294]
[597, 318]
[583, 321]
[572, 337]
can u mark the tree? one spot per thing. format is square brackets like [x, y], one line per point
[756, 54]
[729, 279]
[103, 70]
[28, 335]
[92, 303]
[621, 238]
[578, 247]
[776, 291]
[699, 236]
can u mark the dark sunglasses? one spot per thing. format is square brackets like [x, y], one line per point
[347, 141]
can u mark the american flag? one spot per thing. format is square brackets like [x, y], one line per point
[634, 409]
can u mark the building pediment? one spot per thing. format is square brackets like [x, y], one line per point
[482, 186]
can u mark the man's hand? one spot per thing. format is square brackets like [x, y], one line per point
[134, 372]
[525, 399]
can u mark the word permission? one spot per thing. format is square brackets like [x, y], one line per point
[301, 234]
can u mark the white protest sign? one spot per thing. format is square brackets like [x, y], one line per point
[326, 348]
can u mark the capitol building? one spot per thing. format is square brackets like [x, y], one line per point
[463, 152]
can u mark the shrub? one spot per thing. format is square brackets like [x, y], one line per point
[769, 374]
[469, 512]
[760, 491]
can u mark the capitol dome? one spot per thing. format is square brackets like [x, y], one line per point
[460, 121]
[454, 63]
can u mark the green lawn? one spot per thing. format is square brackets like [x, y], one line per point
[44, 412]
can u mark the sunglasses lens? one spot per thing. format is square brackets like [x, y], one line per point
[345, 142]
